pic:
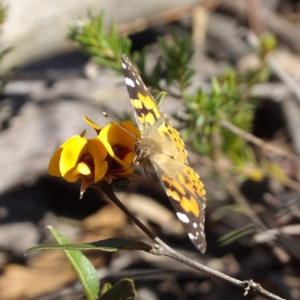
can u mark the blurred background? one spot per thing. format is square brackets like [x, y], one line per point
[253, 209]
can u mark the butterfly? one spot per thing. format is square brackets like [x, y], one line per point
[162, 145]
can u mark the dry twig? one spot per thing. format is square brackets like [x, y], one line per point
[271, 234]
[257, 141]
[161, 249]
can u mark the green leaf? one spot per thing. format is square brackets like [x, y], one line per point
[226, 210]
[236, 234]
[83, 268]
[159, 97]
[103, 46]
[105, 288]
[216, 86]
[3, 13]
[200, 120]
[268, 42]
[108, 245]
[5, 51]
[176, 58]
[122, 290]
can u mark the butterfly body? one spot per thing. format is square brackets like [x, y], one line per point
[162, 145]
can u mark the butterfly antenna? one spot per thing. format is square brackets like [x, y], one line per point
[121, 126]
[125, 168]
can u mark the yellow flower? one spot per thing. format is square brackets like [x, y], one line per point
[80, 158]
[106, 157]
[92, 124]
[256, 175]
[119, 139]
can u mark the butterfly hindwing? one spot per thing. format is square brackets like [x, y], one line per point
[187, 195]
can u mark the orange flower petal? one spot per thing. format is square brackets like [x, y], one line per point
[81, 158]
[53, 168]
[113, 135]
[92, 124]
[70, 156]
[128, 159]
[98, 152]
[100, 170]
[83, 168]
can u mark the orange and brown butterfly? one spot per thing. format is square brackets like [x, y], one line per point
[162, 145]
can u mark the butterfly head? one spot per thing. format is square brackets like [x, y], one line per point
[143, 151]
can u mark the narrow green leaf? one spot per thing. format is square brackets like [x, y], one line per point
[108, 245]
[5, 51]
[216, 86]
[159, 97]
[236, 234]
[105, 288]
[83, 268]
[3, 13]
[103, 46]
[122, 290]
[236, 237]
[200, 120]
[121, 244]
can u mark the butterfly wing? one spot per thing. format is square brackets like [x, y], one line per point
[168, 157]
[148, 115]
[146, 109]
[187, 195]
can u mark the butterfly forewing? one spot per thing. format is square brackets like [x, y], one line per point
[166, 151]
[146, 109]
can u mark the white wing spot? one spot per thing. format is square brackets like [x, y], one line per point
[202, 226]
[195, 225]
[133, 74]
[191, 236]
[182, 217]
[129, 82]
[124, 66]
[137, 82]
